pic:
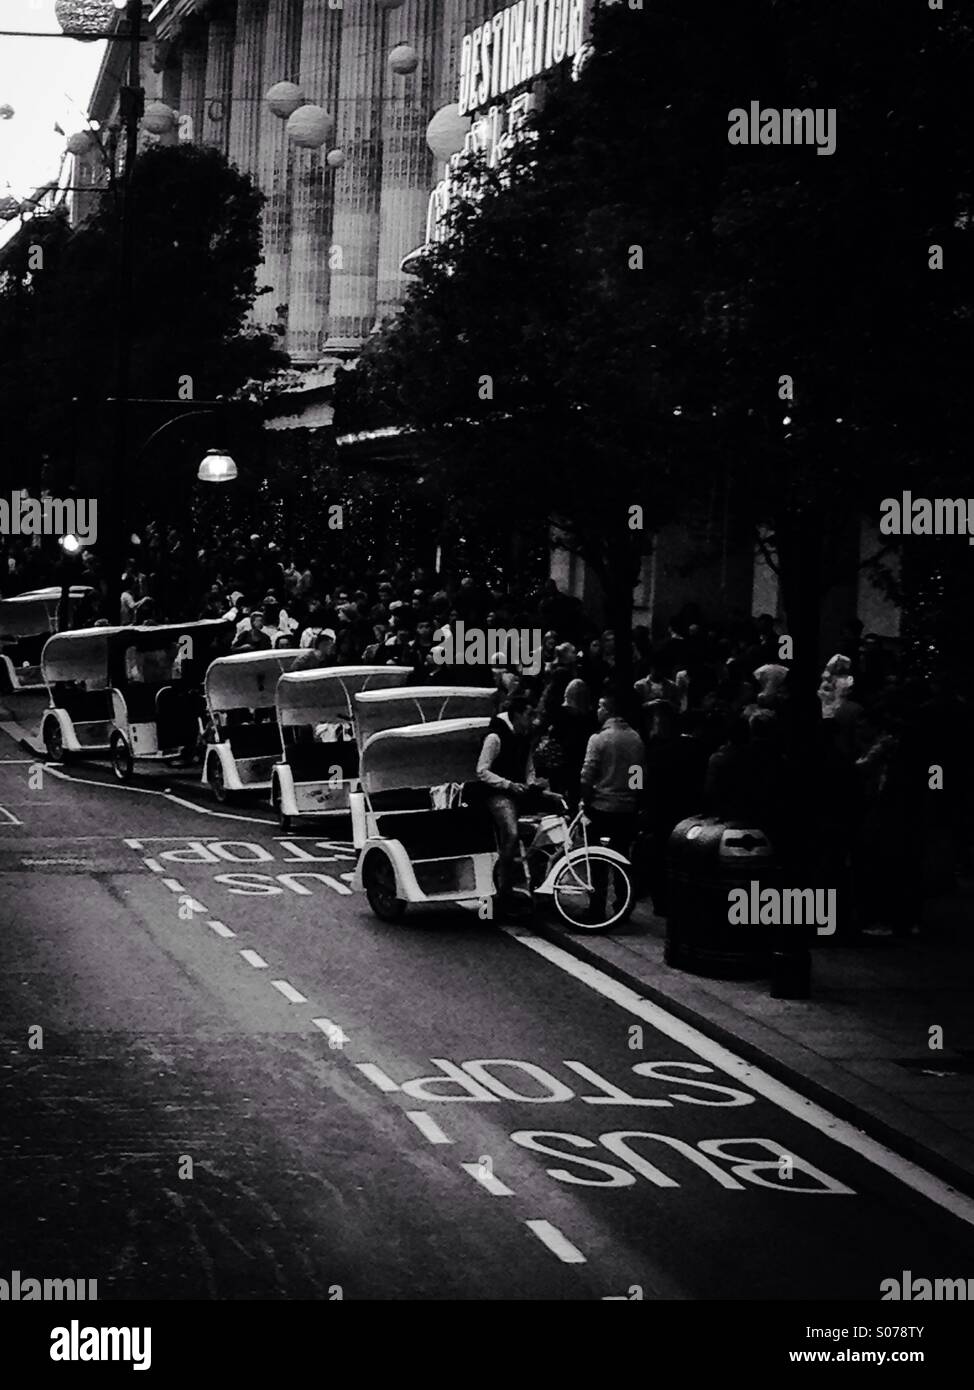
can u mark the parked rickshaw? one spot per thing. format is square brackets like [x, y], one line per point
[134, 692]
[242, 740]
[376, 710]
[26, 622]
[424, 835]
[319, 759]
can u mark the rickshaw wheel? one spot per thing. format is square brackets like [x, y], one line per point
[122, 762]
[379, 882]
[54, 742]
[217, 785]
[283, 821]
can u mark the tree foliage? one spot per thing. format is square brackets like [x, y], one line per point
[196, 228]
[613, 385]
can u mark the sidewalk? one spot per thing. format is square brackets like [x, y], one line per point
[860, 1044]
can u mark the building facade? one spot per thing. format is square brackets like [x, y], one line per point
[340, 219]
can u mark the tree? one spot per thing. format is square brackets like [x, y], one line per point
[196, 228]
[638, 289]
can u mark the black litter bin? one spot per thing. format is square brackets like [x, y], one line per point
[707, 858]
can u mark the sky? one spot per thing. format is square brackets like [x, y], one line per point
[46, 81]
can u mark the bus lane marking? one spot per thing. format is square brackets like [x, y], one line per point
[911, 1174]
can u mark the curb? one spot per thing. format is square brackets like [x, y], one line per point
[903, 1144]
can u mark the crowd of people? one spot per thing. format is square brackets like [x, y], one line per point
[711, 713]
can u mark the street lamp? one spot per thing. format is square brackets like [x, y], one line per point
[70, 544]
[217, 466]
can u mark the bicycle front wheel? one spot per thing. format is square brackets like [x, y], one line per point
[592, 893]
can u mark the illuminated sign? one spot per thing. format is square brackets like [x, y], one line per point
[491, 135]
[517, 45]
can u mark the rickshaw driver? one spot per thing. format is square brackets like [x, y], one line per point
[506, 773]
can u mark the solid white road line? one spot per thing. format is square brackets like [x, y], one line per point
[551, 1236]
[487, 1180]
[151, 791]
[221, 929]
[377, 1076]
[334, 1033]
[289, 992]
[14, 762]
[428, 1127]
[11, 818]
[252, 958]
[777, 1092]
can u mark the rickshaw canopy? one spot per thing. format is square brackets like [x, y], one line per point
[247, 680]
[97, 655]
[377, 710]
[34, 613]
[326, 696]
[422, 755]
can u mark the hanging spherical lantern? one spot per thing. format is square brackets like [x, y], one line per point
[80, 142]
[336, 158]
[404, 59]
[309, 126]
[284, 98]
[85, 19]
[6, 111]
[447, 131]
[9, 207]
[158, 118]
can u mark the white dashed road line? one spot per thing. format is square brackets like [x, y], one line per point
[333, 1032]
[154, 865]
[174, 884]
[252, 958]
[487, 1180]
[557, 1243]
[428, 1127]
[289, 992]
[221, 929]
[377, 1076]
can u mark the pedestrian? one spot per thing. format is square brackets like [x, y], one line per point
[613, 776]
[253, 638]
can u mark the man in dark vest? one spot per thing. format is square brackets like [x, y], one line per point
[504, 770]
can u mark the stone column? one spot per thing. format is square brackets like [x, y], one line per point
[449, 32]
[282, 38]
[194, 84]
[219, 73]
[312, 188]
[407, 163]
[246, 91]
[355, 230]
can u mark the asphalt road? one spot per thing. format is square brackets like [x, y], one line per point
[244, 1086]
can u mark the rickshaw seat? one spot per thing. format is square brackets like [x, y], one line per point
[313, 762]
[140, 703]
[253, 740]
[440, 834]
[83, 706]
